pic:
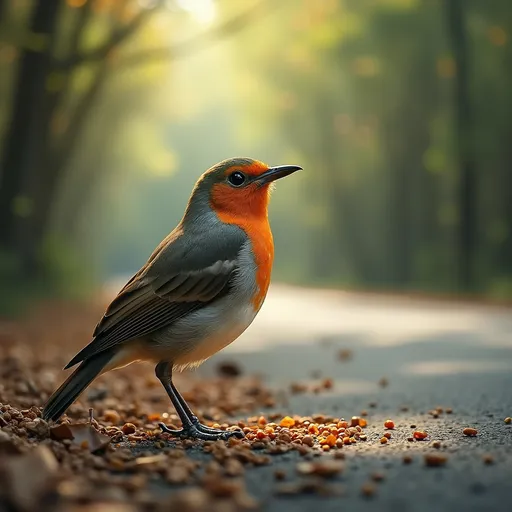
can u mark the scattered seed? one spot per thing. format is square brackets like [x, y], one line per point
[383, 382]
[470, 432]
[128, 428]
[378, 477]
[368, 490]
[287, 422]
[280, 474]
[488, 459]
[435, 460]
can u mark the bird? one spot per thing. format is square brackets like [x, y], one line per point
[199, 291]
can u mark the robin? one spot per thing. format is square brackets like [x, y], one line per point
[199, 290]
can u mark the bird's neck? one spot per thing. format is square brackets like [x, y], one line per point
[257, 229]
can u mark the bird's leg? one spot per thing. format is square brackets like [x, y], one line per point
[191, 425]
[194, 418]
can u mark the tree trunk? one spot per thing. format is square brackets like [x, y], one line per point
[57, 161]
[20, 154]
[55, 151]
[3, 9]
[455, 14]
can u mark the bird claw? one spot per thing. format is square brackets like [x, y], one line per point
[200, 431]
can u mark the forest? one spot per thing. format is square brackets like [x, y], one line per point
[398, 110]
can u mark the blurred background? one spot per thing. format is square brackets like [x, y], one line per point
[398, 110]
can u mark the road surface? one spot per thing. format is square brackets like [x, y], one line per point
[431, 354]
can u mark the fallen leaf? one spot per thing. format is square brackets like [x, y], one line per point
[83, 434]
[61, 432]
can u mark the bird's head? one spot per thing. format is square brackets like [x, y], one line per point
[238, 187]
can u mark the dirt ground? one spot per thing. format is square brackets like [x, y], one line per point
[311, 383]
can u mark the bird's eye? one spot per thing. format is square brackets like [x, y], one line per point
[237, 179]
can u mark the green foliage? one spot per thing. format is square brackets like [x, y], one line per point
[358, 92]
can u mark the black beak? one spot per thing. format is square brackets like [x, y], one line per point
[274, 173]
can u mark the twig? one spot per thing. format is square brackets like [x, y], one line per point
[116, 39]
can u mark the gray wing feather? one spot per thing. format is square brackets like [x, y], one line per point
[178, 280]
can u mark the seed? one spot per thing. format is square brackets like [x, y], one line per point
[470, 432]
[313, 429]
[448, 410]
[128, 428]
[308, 441]
[387, 435]
[435, 460]
[344, 354]
[389, 424]
[279, 474]
[112, 416]
[488, 459]
[327, 383]
[420, 435]
[330, 440]
[383, 440]
[368, 490]
[355, 421]
[287, 422]
[377, 477]
[407, 459]
[508, 420]
[284, 437]
[436, 444]
[383, 382]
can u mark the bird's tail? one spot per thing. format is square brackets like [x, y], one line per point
[70, 390]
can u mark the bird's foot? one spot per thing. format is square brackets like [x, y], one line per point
[199, 431]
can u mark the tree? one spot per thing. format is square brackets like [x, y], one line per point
[467, 204]
[35, 153]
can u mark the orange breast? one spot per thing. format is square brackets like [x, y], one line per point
[250, 214]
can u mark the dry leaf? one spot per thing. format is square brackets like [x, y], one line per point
[82, 434]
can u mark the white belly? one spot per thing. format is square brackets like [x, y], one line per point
[199, 335]
[223, 330]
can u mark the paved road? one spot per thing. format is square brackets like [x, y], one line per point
[432, 354]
